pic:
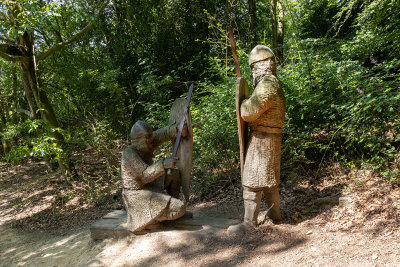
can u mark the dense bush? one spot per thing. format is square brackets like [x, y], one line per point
[337, 107]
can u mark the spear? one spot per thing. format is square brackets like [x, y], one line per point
[235, 58]
[242, 92]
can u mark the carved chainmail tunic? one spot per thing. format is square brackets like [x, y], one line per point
[135, 169]
[144, 201]
[265, 113]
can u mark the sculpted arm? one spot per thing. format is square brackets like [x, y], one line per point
[164, 134]
[260, 101]
[157, 169]
[136, 173]
[153, 171]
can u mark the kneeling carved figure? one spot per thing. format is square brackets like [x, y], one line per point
[150, 192]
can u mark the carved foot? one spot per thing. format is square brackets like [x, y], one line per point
[275, 215]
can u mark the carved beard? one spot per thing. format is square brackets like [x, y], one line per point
[261, 69]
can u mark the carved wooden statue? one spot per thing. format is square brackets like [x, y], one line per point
[264, 113]
[150, 191]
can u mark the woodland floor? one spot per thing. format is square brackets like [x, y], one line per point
[43, 222]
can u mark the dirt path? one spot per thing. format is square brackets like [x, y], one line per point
[283, 245]
[44, 227]
[20, 248]
[309, 243]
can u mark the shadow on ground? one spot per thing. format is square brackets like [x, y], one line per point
[210, 246]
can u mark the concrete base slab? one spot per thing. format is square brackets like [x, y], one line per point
[113, 225]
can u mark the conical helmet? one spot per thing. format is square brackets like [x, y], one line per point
[140, 128]
[260, 53]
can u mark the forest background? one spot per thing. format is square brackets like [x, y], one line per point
[76, 75]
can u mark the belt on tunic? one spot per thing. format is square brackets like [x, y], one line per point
[266, 129]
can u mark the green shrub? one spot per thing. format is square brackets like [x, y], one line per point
[340, 108]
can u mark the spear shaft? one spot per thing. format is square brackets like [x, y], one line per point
[235, 58]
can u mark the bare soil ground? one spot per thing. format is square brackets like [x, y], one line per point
[44, 222]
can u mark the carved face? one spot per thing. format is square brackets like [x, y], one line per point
[144, 143]
[261, 68]
[142, 136]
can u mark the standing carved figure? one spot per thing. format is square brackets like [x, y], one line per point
[150, 195]
[264, 112]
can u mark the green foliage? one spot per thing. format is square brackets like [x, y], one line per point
[42, 146]
[377, 32]
[215, 134]
[340, 75]
[338, 107]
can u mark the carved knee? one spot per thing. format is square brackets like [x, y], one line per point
[253, 195]
[175, 210]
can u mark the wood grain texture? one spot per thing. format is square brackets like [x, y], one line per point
[185, 151]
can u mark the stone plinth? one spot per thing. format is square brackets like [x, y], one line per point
[113, 225]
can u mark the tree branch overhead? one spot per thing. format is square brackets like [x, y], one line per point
[60, 45]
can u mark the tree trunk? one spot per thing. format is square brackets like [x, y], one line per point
[252, 23]
[4, 143]
[14, 99]
[38, 100]
[274, 24]
[277, 29]
[280, 33]
[28, 92]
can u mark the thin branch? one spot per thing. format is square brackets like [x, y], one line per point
[74, 38]
[23, 111]
[44, 36]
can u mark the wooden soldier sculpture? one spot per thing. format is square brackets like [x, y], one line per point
[264, 112]
[151, 190]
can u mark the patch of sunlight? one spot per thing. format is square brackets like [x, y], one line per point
[61, 242]
[9, 251]
[29, 255]
[76, 244]
[51, 254]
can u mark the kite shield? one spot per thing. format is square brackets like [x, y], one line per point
[185, 150]
[242, 93]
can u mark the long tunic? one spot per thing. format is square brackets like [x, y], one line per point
[265, 113]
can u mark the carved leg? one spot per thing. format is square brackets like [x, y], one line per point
[272, 197]
[175, 210]
[146, 208]
[252, 201]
